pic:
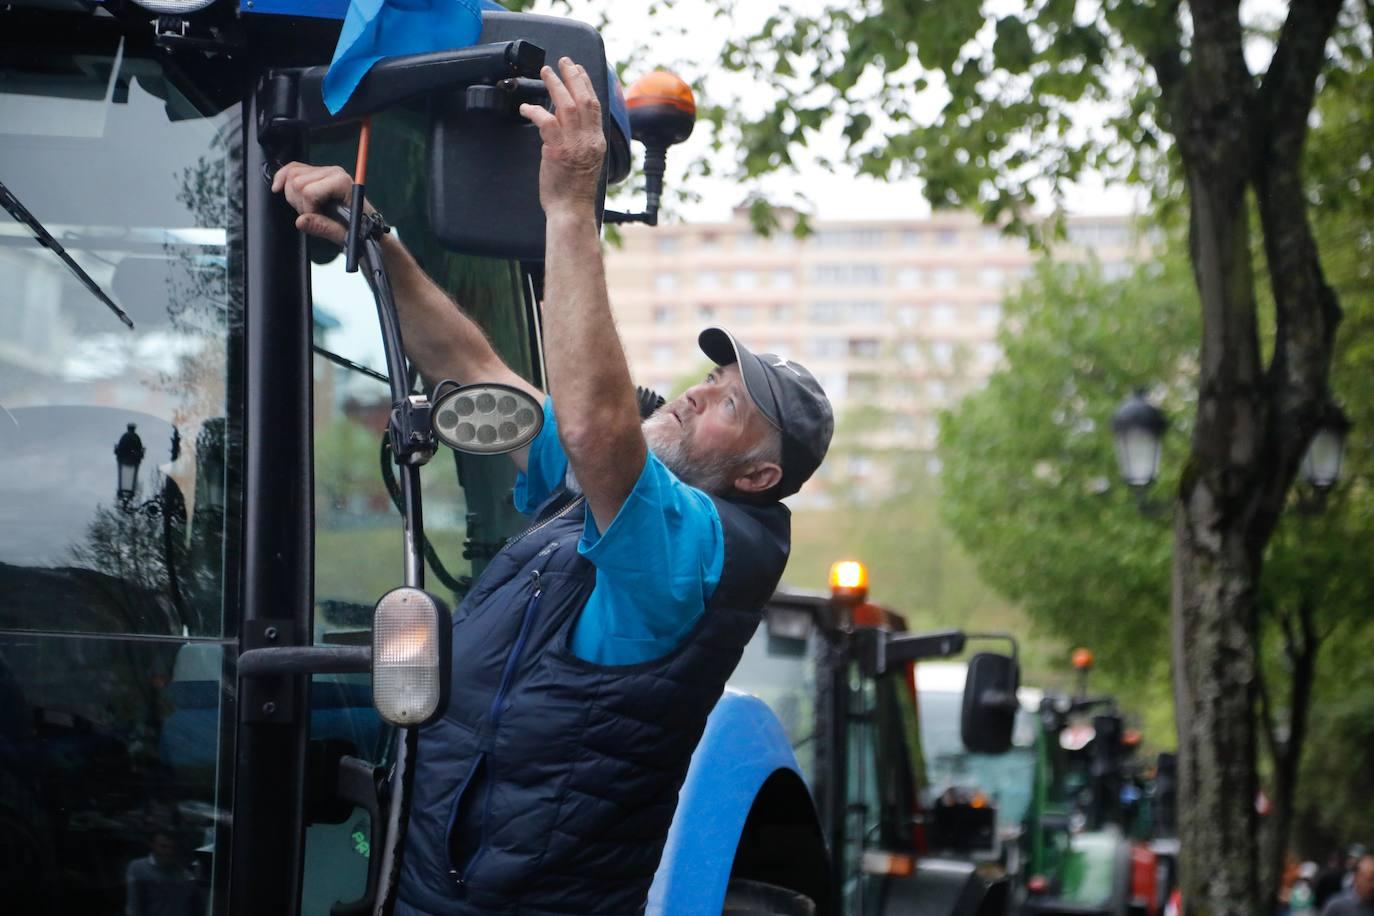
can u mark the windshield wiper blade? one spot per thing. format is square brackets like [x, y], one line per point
[44, 238]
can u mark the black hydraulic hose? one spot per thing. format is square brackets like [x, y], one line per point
[456, 584]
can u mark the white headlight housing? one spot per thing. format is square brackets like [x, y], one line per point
[487, 419]
[411, 637]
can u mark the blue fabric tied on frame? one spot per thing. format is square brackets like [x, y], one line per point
[374, 29]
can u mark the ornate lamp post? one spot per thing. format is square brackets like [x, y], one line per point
[1138, 428]
[129, 452]
[1321, 465]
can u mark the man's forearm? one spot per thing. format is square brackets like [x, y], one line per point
[439, 337]
[593, 396]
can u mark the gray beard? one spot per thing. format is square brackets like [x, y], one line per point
[668, 442]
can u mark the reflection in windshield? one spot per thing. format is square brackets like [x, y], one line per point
[118, 449]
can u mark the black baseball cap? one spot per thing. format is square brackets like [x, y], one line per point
[790, 399]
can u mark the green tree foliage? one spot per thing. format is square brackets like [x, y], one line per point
[1030, 482]
[916, 567]
[996, 109]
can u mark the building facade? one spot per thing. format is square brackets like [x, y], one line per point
[900, 315]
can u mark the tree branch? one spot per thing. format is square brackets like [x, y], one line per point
[1290, 85]
[1266, 715]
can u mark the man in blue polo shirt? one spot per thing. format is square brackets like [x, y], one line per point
[588, 655]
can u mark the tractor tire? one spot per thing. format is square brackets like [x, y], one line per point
[755, 898]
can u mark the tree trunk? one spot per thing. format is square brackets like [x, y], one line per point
[1251, 424]
[1301, 646]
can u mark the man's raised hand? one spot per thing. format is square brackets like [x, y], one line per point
[574, 140]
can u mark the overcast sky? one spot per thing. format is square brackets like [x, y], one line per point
[691, 49]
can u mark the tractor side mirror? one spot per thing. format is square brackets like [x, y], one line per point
[484, 157]
[990, 703]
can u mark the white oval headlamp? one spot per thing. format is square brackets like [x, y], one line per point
[411, 635]
[487, 419]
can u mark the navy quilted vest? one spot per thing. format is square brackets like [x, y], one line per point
[549, 786]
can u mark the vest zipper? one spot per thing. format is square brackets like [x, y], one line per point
[494, 720]
[550, 520]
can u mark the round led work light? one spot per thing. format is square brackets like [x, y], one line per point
[487, 419]
[410, 635]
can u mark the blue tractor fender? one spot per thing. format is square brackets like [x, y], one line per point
[743, 746]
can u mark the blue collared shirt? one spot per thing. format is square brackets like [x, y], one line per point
[657, 563]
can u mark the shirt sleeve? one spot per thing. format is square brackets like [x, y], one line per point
[546, 468]
[657, 564]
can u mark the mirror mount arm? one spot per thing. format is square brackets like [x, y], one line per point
[292, 99]
[1015, 647]
[655, 164]
[899, 650]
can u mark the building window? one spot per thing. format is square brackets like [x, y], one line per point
[945, 278]
[850, 238]
[847, 275]
[667, 243]
[663, 354]
[936, 392]
[942, 352]
[989, 313]
[706, 313]
[989, 352]
[782, 312]
[783, 279]
[745, 279]
[990, 277]
[865, 348]
[911, 238]
[910, 353]
[664, 314]
[825, 312]
[866, 311]
[908, 315]
[746, 241]
[665, 282]
[947, 238]
[1095, 235]
[708, 279]
[710, 241]
[990, 238]
[908, 277]
[745, 314]
[825, 347]
[942, 314]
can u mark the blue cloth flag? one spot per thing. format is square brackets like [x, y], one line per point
[374, 29]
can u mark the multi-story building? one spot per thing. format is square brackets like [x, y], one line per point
[901, 315]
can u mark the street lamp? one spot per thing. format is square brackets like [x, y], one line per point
[1138, 428]
[1321, 465]
[129, 454]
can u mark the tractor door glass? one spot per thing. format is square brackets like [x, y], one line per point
[468, 506]
[782, 673]
[119, 469]
[1008, 780]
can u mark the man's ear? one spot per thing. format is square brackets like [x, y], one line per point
[758, 478]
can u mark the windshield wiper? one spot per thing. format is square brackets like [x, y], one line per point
[44, 238]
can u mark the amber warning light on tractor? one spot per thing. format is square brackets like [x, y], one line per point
[849, 580]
